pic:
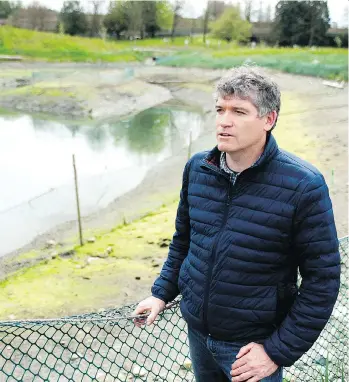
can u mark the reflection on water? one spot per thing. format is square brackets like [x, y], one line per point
[112, 158]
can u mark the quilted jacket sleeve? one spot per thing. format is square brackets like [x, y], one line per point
[166, 285]
[316, 246]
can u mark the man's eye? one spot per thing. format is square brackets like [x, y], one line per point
[240, 112]
[219, 110]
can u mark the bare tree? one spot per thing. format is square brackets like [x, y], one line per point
[96, 19]
[206, 20]
[261, 17]
[36, 17]
[214, 10]
[248, 9]
[268, 14]
[178, 6]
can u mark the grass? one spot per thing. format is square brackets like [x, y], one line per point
[331, 63]
[39, 90]
[86, 282]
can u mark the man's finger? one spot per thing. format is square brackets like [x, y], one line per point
[240, 370]
[254, 379]
[140, 309]
[243, 377]
[238, 363]
[245, 349]
[152, 316]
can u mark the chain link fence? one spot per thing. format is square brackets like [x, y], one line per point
[108, 347]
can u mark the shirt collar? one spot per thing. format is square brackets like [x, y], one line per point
[224, 166]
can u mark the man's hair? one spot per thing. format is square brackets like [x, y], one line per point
[248, 83]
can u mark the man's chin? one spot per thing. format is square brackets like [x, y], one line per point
[222, 146]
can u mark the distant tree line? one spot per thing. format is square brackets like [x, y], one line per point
[303, 23]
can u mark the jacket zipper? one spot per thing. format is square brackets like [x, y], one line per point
[214, 247]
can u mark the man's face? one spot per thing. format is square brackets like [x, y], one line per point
[238, 124]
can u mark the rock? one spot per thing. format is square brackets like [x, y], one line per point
[21, 82]
[54, 255]
[164, 243]
[137, 371]
[67, 254]
[109, 250]
[137, 278]
[51, 243]
[156, 265]
[91, 240]
[92, 259]
[187, 364]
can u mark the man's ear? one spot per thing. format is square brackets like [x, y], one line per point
[270, 120]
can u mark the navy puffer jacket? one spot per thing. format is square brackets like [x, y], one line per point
[236, 251]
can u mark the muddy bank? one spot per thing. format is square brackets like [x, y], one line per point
[85, 91]
[313, 125]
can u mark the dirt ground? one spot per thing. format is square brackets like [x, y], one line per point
[313, 124]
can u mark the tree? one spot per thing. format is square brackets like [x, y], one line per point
[230, 26]
[39, 17]
[9, 8]
[206, 20]
[149, 18]
[214, 10]
[301, 22]
[35, 17]
[73, 18]
[117, 19]
[178, 5]
[96, 19]
[248, 9]
[164, 14]
[5, 9]
[268, 14]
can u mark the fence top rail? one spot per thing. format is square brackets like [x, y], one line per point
[110, 316]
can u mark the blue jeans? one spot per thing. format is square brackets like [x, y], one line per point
[212, 359]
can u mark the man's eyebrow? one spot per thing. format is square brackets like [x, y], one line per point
[233, 107]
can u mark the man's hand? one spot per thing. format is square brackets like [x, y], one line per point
[150, 305]
[252, 364]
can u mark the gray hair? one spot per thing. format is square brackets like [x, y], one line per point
[248, 83]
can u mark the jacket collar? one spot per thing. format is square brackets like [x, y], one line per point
[212, 159]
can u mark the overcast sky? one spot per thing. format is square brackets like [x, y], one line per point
[194, 8]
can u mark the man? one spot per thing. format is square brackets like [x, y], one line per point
[250, 216]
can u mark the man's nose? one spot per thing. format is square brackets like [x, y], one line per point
[226, 120]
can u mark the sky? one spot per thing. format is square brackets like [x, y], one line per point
[195, 8]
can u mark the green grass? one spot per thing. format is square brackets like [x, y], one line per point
[331, 63]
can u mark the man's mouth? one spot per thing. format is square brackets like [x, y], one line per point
[225, 135]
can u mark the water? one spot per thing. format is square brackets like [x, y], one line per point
[37, 191]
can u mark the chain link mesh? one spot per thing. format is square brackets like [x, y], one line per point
[108, 347]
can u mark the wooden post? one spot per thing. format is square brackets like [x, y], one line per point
[77, 201]
[190, 143]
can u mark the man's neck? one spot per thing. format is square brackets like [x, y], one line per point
[244, 159]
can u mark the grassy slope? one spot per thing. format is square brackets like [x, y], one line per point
[324, 62]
